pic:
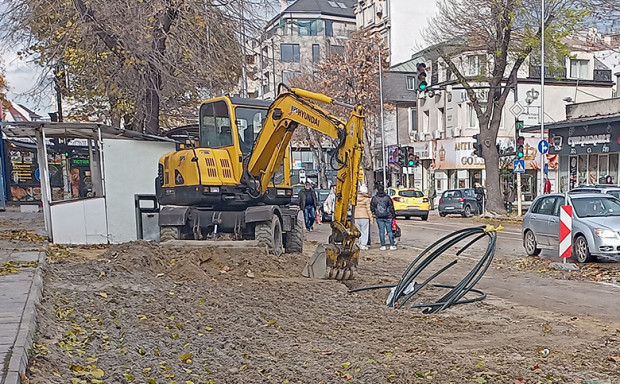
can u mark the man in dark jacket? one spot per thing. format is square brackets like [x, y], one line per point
[382, 208]
[480, 197]
[308, 201]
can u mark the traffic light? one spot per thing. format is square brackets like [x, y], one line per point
[520, 148]
[518, 125]
[477, 146]
[422, 84]
[402, 155]
[411, 157]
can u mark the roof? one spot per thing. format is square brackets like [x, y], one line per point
[574, 122]
[339, 8]
[251, 102]
[326, 7]
[405, 66]
[75, 131]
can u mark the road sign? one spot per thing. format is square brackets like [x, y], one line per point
[566, 227]
[543, 147]
[516, 109]
[518, 166]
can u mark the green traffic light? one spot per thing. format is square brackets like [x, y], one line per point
[423, 86]
[411, 163]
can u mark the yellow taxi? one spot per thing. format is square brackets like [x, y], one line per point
[409, 202]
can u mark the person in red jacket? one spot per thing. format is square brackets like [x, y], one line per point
[547, 186]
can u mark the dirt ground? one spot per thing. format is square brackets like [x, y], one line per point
[151, 313]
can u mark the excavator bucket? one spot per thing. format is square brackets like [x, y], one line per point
[332, 262]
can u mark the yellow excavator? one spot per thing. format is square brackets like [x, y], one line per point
[237, 180]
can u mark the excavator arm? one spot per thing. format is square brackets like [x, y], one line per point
[338, 259]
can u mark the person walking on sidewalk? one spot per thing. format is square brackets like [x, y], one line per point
[363, 216]
[509, 197]
[307, 202]
[382, 208]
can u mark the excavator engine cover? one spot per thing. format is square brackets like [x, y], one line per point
[332, 262]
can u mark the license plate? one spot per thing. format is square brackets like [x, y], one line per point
[449, 207]
[414, 208]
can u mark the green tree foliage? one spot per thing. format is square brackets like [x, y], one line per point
[131, 59]
[505, 33]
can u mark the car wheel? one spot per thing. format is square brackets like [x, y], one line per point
[442, 214]
[407, 217]
[580, 248]
[425, 217]
[467, 211]
[529, 243]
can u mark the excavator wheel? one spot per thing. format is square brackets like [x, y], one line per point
[269, 234]
[332, 262]
[295, 238]
[168, 233]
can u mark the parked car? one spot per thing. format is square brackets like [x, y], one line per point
[610, 189]
[459, 201]
[409, 202]
[596, 225]
[296, 189]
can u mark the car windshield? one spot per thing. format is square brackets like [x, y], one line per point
[447, 194]
[410, 193]
[596, 207]
[614, 193]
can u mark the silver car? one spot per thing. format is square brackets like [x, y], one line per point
[596, 225]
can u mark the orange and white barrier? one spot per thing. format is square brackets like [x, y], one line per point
[566, 227]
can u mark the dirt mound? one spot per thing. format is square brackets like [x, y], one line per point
[198, 262]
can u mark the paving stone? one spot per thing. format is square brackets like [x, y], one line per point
[24, 256]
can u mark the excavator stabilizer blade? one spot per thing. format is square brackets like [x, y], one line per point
[332, 262]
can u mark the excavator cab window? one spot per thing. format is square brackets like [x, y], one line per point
[215, 127]
[249, 125]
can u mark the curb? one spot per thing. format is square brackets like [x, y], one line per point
[27, 327]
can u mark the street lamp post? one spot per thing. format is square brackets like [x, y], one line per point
[383, 149]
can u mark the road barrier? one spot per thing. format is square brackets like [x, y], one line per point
[566, 227]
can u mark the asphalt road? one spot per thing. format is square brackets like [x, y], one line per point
[541, 292]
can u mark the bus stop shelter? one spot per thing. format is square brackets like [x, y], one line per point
[123, 163]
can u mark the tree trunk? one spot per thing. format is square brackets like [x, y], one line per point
[488, 136]
[151, 101]
[320, 163]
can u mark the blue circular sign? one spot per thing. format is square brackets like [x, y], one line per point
[543, 146]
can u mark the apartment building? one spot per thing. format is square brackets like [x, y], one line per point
[446, 117]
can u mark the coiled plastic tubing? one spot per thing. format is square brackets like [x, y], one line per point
[406, 287]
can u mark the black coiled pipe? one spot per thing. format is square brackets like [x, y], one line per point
[457, 292]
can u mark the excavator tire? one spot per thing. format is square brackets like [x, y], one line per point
[269, 234]
[295, 238]
[168, 233]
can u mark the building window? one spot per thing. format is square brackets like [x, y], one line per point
[472, 118]
[287, 75]
[475, 65]
[410, 83]
[337, 50]
[329, 28]
[290, 53]
[579, 69]
[316, 53]
[308, 27]
[413, 120]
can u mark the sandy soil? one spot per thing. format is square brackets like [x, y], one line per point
[150, 313]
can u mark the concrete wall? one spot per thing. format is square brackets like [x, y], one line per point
[130, 168]
[593, 109]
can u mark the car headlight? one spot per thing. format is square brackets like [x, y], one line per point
[602, 232]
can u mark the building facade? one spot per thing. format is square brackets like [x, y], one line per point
[446, 116]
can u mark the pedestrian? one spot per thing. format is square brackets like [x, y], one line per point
[547, 185]
[480, 198]
[509, 197]
[330, 202]
[608, 179]
[307, 202]
[363, 216]
[382, 209]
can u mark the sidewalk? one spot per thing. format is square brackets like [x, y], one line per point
[21, 286]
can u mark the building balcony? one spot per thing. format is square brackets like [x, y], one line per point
[557, 73]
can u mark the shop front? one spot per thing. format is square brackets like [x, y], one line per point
[455, 164]
[588, 152]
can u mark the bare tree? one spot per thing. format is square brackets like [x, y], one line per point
[506, 32]
[134, 60]
[353, 78]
